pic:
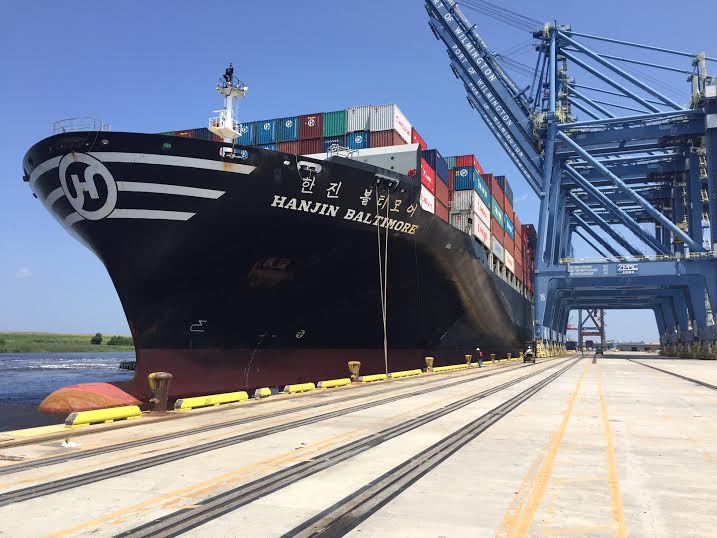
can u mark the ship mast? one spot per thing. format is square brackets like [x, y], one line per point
[225, 125]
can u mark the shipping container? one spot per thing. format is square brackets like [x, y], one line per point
[505, 187]
[357, 118]
[442, 193]
[462, 220]
[309, 146]
[247, 134]
[334, 140]
[463, 178]
[418, 139]
[441, 211]
[519, 271]
[508, 244]
[465, 200]
[508, 209]
[334, 123]
[266, 131]
[518, 254]
[389, 117]
[508, 226]
[271, 146]
[482, 211]
[497, 194]
[311, 126]
[496, 230]
[428, 201]
[481, 188]
[509, 262]
[289, 147]
[451, 186]
[497, 248]
[380, 139]
[288, 129]
[451, 162]
[428, 176]
[468, 160]
[438, 163]
[497, 212]
[482, 232]
[358, 140]
[201, 133]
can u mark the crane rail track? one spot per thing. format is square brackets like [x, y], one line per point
[54, 486]
[72, 456]
[691, 379]
[202, 512]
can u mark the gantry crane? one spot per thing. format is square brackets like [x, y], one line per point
[637, 180]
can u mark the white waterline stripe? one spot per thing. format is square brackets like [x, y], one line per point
[171, 160]
[54, 196]
[72, 218]
[153, 214]
[42, 168]
[162, 188]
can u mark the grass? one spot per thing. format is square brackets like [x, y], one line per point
[21, 342]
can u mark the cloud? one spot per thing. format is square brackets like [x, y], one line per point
[23, 272]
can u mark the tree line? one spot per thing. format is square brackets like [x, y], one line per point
[113, 341]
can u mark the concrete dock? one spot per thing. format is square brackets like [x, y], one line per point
[617, 445]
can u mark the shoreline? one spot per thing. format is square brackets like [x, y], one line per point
[46, 342]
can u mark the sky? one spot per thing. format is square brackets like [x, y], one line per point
[152, 66]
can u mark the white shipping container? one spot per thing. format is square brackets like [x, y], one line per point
[482, 210]
[459, 220]
[509, 262]
[428, 201]
[497, 248]
[482, 232]
[387, 117]
[464, 200]
[357, 118]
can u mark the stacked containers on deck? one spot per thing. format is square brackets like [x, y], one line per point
[247, 134]
[468, 210]
[428, 187]
[389, 118]
[519, 269]
[440, 170]
[334, 129]
[202, 133]
[357, 127]
[497, 222]
[288, 129]
[358, 139]
[266, 132]
[418, 139]
[530, 240]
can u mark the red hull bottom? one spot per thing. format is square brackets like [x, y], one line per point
[212, 371]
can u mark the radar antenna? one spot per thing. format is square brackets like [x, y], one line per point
[225, 125]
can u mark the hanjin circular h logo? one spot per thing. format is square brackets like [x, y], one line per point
[88, 185]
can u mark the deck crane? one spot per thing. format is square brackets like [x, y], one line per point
[636, 180]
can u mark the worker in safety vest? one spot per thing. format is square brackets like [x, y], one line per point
[479, 355]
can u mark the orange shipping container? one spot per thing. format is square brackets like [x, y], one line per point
[380, 139]
[417, 139]
[441, 210]
[288, 147]
[496, 230]
[441, 193]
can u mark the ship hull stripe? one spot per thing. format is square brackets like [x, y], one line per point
[162, 188]
[152, 214]
[42, 168]
[171, 160]
[54, 196]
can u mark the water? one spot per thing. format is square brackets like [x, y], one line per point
[26, 378]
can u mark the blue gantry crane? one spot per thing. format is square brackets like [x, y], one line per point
[635, 176]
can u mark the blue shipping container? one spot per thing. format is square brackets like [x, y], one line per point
[438, 163]
[482, 188]
[246, 134]
[463, 178]
[338, 140]
[267, 146]
[509, 228]
[451, 162]
[288, 129]
[358, 140]
[265, 131]
[497, 212]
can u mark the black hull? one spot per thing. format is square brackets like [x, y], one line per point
[232, 275]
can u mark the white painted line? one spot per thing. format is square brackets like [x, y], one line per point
[171, 160]
[54, 196]
[73, 218]
[42, 168]
[162, 188]
[152, 214]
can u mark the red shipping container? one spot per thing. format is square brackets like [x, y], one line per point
[469, 160]
[509, 244]
[416, 139]
[496, 230]
[380, 139]
[428, 176]
[497, 193]
[289, 147]
[450, 181]
[519, 272]
[312, 145]
[311, 126]
[518, 255]
[442, 192]
[441, 211]
[186, 134]
[509, 211]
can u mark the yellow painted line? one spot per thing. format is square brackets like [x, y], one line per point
[262, 392]
[451, 367]
[331, 383]
[562, 531]
[34, 432]
[518, 519]
[299, 387]
[185, 404]
[370, 378]
[404, 373]
[616, 507]
[84, 418]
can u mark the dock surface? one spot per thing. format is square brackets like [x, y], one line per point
[617, 445]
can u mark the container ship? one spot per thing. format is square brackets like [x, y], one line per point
[261, 254]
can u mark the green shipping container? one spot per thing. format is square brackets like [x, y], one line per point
[334, 123]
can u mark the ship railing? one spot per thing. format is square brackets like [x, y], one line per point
[84, 124]
[221, 121]
[657, 258]
[341, 151]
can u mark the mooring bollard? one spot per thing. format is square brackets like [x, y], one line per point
[492, 358]
[469, 358]
[354, 368]
[159, 389]
[520, 357]
[429, 364]
[509, 356]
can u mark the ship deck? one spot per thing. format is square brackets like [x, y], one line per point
[618, 444]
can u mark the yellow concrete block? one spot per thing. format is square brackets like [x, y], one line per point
[450, 368]
[262, 392]
[299, 387]
[185, 404]
[404, 373]
[331, 383]
[374, 377]
[84, 418]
